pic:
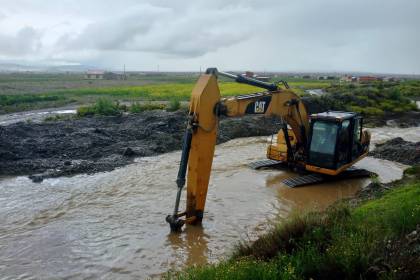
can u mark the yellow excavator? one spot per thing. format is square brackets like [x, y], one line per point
[322, 146]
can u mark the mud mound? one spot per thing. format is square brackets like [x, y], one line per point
[399, 150]
[96, 144]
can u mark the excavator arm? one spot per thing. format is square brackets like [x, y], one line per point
[206, 106]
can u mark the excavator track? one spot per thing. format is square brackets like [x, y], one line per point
[303, 180]
[311, 178]
[314, 178]
[267, 163]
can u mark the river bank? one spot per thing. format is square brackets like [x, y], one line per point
[364, 237]
[89, 145]
[111, 224]
[95, 144]
[374, 234]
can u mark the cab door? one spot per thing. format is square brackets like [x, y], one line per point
[344, 143]
[357, 139]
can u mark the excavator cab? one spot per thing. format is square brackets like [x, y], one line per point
[335, 141]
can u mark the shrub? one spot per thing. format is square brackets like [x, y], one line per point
[173, 105]
[7, 100]
[373, 111]
[135, 108]
[413, 170]
[104, 107]
[138, 107]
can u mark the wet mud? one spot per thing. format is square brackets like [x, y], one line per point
[90, 145]
[399, 150]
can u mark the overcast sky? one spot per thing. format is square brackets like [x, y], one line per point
[272, 35]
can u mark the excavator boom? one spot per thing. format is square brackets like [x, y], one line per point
[205, 108]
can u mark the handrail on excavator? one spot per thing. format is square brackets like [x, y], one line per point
[247, 80]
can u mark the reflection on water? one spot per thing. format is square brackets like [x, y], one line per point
[112, 224]
[35, 115]
[316, 197]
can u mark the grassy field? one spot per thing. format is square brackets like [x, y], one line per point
[21, 92]
[26, 92]
[365, 242]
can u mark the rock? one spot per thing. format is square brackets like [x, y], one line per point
[36, 178]
[128, 152]
[412, 237]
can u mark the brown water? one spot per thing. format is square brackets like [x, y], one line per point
[112, 225]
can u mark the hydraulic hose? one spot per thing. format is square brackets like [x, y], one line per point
[173, 220]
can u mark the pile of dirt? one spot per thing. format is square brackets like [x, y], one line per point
[90, 145]
[397, 149]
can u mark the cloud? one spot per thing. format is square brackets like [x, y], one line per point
[27, 40]
[277, 35]
[164, 30]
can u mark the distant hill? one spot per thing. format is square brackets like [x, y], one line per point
[13, 67]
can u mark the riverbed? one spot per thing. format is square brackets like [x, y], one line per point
[111, 225]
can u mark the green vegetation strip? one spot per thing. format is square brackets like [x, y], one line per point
[369, 99]
[106, 107]
[341, 243]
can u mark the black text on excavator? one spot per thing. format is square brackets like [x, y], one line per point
[323, 145]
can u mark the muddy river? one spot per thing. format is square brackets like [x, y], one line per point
[112, 225]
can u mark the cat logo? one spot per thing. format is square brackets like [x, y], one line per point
[259, 107]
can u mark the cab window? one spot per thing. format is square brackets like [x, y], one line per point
[323, 143]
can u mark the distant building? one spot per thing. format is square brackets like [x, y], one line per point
[114, 76]
[252, 75]
[94, 75]
[367, 79]
[249, 74]
[326, 78]
[390, 79]
[101, 75]
[349, 79]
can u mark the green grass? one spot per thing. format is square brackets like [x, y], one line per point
[9, 100]
[104, 107]
[17, 103]
[174, 105]
[181, 91]
[396, 213]
[107, 107]
[372, 99]
[155, 92]
[341, 243]
[138, 108]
